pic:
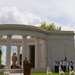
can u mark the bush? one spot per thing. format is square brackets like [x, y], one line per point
[2, 66]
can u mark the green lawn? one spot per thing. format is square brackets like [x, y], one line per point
[1, 74]
[41, 73]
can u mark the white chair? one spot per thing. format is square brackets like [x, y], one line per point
[49, 71]
[61, 71]
[6, 72]
[71, 72]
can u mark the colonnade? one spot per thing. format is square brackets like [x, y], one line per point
[26, 53]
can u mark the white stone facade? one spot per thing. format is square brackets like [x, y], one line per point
[49, 45]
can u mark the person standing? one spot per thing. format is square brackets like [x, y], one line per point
[55, 66]
[61, 64]
[68, 64]
[71, 64]
[64, 66]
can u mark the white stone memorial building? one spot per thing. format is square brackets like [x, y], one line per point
[49, 45]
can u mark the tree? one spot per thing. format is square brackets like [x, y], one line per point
[1, 65]
[51, 26]
[0, 55]
[1, 52]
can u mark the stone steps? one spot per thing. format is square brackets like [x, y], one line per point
[21, 71]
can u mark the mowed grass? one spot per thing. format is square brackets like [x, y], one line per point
[42, 73]
[1, 74]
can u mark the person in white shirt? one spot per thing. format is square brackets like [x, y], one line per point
[68, 64]
[71, 64]
[64, 66]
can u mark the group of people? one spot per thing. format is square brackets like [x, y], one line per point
[64, 65]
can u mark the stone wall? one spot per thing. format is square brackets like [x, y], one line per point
[58, 46]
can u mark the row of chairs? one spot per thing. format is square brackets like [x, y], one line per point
[61, 72]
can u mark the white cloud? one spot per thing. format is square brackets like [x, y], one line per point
[56, 11]
[65, 9]
[13, 16]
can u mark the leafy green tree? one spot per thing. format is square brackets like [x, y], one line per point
[1, 52]
[51, 26]
[0, 55]
[1, 65]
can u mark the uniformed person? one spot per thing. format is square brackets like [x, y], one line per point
[68, 64]
[57, 66]
[61, 64]
[71, 64]
[64, 66]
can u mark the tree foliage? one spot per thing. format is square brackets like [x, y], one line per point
[0, 55]
[51, 26]
[1, 52]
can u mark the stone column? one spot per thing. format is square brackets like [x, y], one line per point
[8, 51]
[28, 53]
[23, 48]
[18, 55]
[37, 54]
[44, 54]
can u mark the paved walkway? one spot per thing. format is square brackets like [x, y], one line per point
[16, 74]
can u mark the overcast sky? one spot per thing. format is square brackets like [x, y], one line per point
[33, 12]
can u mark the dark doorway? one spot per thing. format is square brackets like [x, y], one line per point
[32, 55]
[20, 59]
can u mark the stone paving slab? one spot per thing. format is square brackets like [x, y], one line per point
[16, 74]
